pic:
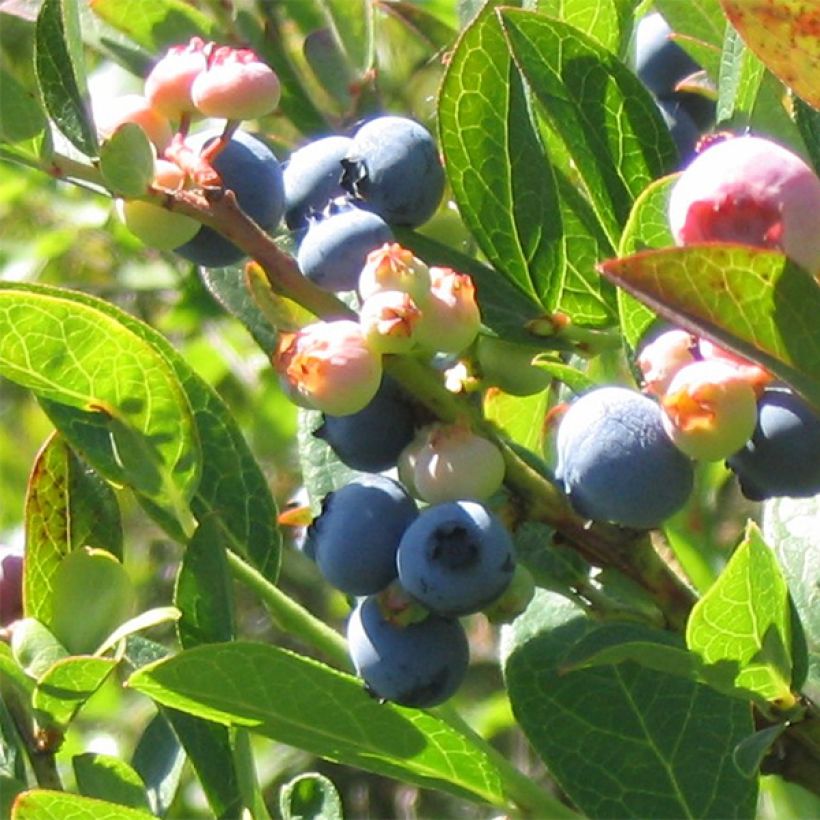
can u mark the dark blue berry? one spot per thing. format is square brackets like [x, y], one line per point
[334, 249]
[372, 439]
[682, 127]
[455, 558]
[249, 169]
[312, 178]
[393, 169]
[617, 463]
[355, 538]
[660, 62]
[421, 664]
[782, 458]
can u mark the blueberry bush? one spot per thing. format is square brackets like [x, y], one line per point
[409, 409]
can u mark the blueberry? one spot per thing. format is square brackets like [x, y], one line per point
[660, 62]
[783, 456]
[420, 665]
[682, 127]
[249, 169]
[455, 558]
[616, 461]
[393, 168]
[312, 177]
[372, 439]
[355, 538]
[333, 251]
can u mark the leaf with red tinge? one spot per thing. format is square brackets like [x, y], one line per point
[785, 34]
[755, 302]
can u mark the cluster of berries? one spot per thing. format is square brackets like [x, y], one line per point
[625, 457]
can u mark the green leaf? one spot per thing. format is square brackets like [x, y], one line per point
[623, 741]
[755, 302]
[203, 590]
[109, 778]
[155, 24]
[127, 161]
[59, 66]
[43, 804]
[10, 670]
[21, 115]
[67, 506]
[352, 23]
[783, 34]
[808, 123]
[501, 179]
[68, 684]
[69, 352]
[437, 33]
[145, 620]
[301, 702]
[576, 380]
[647, 227]
[505, 308]
[158, 760]
[792, 526]
[744, 620]
[520, 417]
[607, 21]
[310, 796]
[229, 287]
[607, 120]
[232, 488]
[207, 745]
[330, 65]
[749, 753]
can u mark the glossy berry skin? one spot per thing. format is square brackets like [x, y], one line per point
[393, 169]
[752, 191]
[783, 456]
[249, 169]
[334, 249]
[420, 665]
[372, 439]
[617, 463]
[455, 558]
[312, 178]
[355, 538]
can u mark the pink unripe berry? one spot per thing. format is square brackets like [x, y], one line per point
[168, 86]
[663, 357]
[330, 365]
[389, 320]
[454, 463]
[710, 410]
[451, 318]
[136, 109]
[237, 85]
[752, 191]
[753, 373]
[392, 267]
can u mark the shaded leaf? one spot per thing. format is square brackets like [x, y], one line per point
[21, 115]
[755, 302]
[155, 24]
[744, 619]
[301, 702]
[159, 759]
[352, 23]
[58, 63]
[43, 804]
[497, 167]
[701, 20]
[109, 778]
[127, 161]
[68, 684]
[310, 796]
[435, 31]
[75, 354]
[575, 379]
[145, 620]
[623, 741]
[749, 753]
[783, 33]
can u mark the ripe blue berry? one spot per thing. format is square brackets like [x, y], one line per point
[11, 586]
[393, 168]
[616, 461]
[312, 177]
[249, 169]
[660, 62]
[334, 249]
[355, 538]
[421, 664]
[372, 439]
[455, 558]
[783, 456]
